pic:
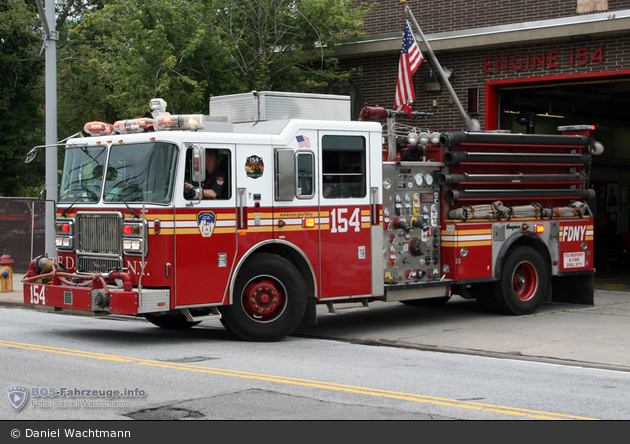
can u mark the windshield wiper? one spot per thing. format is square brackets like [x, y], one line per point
[71, 205]
[133, 213]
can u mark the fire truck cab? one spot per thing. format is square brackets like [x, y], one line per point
[308, 208]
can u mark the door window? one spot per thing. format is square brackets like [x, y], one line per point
[344, 167]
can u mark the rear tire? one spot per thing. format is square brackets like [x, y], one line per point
[484, 298]
[524, 282]
[269, 300]
[176, 321]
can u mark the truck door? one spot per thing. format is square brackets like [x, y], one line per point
[205, 233]
[254, 196]
[296, 217]
[344, 198]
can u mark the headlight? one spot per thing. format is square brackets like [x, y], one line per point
[64, 230]
[135, 237]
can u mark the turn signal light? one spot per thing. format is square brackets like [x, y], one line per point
[308, 222]
[540, 229]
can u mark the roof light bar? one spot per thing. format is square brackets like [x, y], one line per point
[134, 126]
[98, 128]
[180, 122]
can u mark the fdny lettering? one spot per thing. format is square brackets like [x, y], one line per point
[67, 261]
[134, 266]
[573, 233]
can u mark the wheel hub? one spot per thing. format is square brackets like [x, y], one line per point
[525, 281]
[262, 299]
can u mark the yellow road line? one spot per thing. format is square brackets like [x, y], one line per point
[505, 410]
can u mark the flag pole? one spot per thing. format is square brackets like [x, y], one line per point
[471, 125]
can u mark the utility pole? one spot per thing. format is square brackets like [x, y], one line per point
[47, 16]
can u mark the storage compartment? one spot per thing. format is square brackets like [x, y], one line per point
[270, 105]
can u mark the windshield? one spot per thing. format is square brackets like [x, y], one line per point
[140, 173]
[82, 174]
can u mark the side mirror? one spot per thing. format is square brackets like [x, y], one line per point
[199, 164]
[32, 154]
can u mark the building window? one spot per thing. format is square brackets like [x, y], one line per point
[473, 100]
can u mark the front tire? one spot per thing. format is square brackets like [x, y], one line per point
[524, 282]
[269, 300]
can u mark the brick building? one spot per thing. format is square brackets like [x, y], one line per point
[543, 63]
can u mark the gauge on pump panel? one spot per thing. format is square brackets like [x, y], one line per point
[387, 184]
[428, 178]
[434, 215]
[419, 179]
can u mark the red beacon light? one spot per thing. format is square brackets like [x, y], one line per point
[134, 126]
[180, 122]
[98, 128]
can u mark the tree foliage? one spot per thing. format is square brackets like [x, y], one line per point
[21, 103]
[286, 44]
[113, 56]
[120, 56]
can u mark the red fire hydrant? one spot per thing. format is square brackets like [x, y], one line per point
[6, 273]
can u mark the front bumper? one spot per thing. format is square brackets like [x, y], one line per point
[112, 300]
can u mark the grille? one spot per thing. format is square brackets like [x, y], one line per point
[92, 264]
[100, 233]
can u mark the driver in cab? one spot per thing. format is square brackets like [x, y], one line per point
[214, 186]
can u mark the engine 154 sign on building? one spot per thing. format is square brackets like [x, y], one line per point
[555, 58]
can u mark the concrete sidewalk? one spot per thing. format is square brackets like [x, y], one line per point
[16, 296]
[576, 334]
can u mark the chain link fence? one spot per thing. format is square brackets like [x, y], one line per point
[22, 230]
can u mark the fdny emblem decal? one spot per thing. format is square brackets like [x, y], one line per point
[17, 396]
[254, 167]
[206, 220]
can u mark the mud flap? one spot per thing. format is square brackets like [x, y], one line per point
[310, 316]
[575, 289]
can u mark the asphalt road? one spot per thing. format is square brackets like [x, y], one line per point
[205, 373]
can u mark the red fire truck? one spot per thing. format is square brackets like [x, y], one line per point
[314, 209]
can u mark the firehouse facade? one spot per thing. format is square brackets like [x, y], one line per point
[519, 66]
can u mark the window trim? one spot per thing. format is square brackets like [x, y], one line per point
[365, 167]
[313, 174]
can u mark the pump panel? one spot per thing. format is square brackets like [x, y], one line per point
[411, 222]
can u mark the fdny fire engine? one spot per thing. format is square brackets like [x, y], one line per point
[315, 209]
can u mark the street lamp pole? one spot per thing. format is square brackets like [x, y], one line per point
[47, 16]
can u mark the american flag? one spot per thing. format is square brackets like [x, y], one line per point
[303, 142]
[410, 60]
